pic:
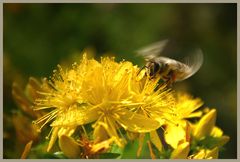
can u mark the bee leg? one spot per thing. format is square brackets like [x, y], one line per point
[169, 82]
[170, 78]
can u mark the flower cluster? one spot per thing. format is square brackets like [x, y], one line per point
[95, 106]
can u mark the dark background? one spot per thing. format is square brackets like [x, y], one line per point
[39, 36]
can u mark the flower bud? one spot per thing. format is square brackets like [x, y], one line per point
[205, 125]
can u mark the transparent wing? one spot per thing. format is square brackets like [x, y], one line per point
[153, 50]
[193, 63]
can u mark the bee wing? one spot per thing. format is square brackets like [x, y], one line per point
[153, 50]
[193, 63]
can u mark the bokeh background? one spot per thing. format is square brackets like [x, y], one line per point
[37, 37]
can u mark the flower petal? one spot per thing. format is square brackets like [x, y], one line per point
[20, 98]
[223, 140]
[68, 131]
[216, 132]
[199, 155]
[186, 104]
[154, 137]
[99, 133]
[102, 146]
[213, 154]
[136, 122]
[26, 150]
[75, 116]
[174, 134]
[53, 138]
[69, 147]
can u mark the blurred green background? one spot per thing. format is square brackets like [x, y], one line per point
[39, 36]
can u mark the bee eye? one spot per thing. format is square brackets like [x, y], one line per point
[156, 67]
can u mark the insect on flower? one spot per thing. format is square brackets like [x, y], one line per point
[168, 69]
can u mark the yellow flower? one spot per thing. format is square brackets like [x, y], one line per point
[62, 92]
[176, 134]
[104, 93]
[116, 102]
[186, 105]
[206, 127]
[206, 131]
[157, 101]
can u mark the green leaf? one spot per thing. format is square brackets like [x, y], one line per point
[116, 149]
[209, 142]
[60, 155]
[56, 155]
[130, 150]
[165, 154]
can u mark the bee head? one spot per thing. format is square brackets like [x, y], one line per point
[153, 68]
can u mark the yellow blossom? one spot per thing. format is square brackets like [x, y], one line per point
[94, 105]
[157, 100]
[62, 92]
[104, 93]
[185, 107]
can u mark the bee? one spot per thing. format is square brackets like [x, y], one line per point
[170, 70]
